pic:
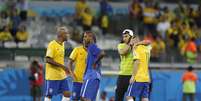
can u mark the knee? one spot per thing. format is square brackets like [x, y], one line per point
[66, 94]
[84, 99]
[129, 98]
[145, 99]
[48, 97]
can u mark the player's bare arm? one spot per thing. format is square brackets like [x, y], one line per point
[101, 55]
[52, 62]
[70, 66]
[144, 42]
[135, 69]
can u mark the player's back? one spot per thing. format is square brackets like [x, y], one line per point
[56, 52]
[142, 53]
[79, 55]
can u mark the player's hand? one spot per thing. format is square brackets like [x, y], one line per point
[132, 79]
[132, 42]
[67, 72]
[73, 76]
[94, 66]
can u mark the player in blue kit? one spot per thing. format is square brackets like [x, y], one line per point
[92, 73]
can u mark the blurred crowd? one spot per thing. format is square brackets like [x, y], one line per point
[13, 16]
[169, 29]
[172, 29]
[84, 15]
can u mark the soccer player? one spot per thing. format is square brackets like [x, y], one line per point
[78, 56]
[126, 64]
[55, 70]
[92, 73]
[140, 80]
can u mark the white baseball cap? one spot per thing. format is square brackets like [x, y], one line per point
[62, 29]
[128, 31]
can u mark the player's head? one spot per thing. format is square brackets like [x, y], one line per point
[89, 37]
[190, 68]
[127, 35]
[63, 33]
[34, 63]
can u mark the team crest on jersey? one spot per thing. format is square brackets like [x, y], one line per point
[74, 93]
[50, 90]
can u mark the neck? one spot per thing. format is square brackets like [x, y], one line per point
[60, 41]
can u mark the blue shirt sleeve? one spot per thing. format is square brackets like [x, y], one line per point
[94, 49]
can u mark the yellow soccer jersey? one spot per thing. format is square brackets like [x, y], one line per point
[87, 19]
[79, 6]
[142, 53]
[56, 52]
[79, 55]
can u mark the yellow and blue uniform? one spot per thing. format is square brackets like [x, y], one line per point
[78, 55]
[140, 88]
[55, 76]
[92, 76]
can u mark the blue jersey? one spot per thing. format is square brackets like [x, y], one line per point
[93, 53]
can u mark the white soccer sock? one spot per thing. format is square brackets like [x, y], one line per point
[47, 99]
[130, 100]
[65, 99]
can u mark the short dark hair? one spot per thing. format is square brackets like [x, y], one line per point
[190, 68]
[93, 35]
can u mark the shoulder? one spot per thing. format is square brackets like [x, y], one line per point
[78, 48]
[143, 48]
[52, 42]
[92, 45]
[120, 45]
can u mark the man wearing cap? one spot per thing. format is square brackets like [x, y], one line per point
[126, 65]
[55, 77]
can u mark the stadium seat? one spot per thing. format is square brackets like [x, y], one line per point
[23, 45]
[21, 58]
[10, 45]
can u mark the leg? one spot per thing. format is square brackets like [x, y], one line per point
[129, 98]
[51, 89]
[89, 89]
[34, 98]
[47, 98]
[145, 91]
[76, 91]
[184, 97]
[33, 93]
[39, 98]
[192, 97]
[122, 86]
[65, 90]
[85, 99]
[145, 99]
[66, 96]
[38, 93]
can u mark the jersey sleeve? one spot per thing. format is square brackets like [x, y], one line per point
[50, 51]
[184, 77]
[195, 78]
[73, 54]
[135, 55]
